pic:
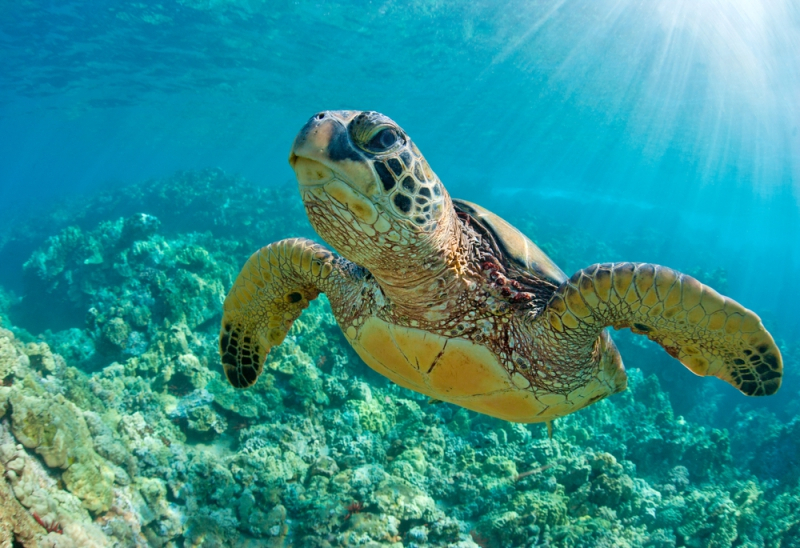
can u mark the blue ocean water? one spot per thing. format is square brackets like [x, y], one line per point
[673, 117]
[662, 131]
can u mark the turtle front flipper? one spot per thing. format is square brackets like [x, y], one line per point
[709, 333]
[275, 285]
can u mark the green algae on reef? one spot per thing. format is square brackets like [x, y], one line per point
[117, 427]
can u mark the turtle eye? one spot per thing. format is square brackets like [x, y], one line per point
[375, 133]
[383, 140]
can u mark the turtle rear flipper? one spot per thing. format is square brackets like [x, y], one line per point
[709, 333]
[275, 285]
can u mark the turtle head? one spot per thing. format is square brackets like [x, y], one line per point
[366, 187]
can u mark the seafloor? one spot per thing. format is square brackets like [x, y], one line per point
[117, 427]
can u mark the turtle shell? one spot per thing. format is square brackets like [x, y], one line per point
[517, 249]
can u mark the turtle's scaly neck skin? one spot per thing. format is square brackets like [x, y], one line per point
[369, 192]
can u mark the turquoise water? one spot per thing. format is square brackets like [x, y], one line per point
[662, 132]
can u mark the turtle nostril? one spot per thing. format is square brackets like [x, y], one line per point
[320, 116]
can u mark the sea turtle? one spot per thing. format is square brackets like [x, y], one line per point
[445, 298]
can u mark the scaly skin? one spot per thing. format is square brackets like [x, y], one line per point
[709, 333]
[412, 260]
[273, 288]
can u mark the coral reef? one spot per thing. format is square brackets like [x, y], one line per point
[15, 521]
[117, 427]
[54, 428]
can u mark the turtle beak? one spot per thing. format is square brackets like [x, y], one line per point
[324, 137]
[313, 139]
[309, 155]
[323, 151]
